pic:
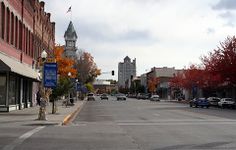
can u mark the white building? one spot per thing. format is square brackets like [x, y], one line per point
[126, 71]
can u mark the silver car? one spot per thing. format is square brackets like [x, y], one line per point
[90, 97]
[120, 97]
[213, 101]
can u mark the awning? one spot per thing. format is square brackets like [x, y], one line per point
[9, 64]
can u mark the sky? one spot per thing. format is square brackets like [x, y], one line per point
[158, 33]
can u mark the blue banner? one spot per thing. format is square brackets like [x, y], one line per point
[50, 75]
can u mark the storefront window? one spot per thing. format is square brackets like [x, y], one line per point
[12, 90]
[3, 90]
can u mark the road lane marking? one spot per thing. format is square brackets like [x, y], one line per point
[193, 122]
[156, 114]
[22, 138]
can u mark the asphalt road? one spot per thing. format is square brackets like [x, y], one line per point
[136, 124]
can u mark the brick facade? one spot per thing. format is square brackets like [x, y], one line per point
[25, 30]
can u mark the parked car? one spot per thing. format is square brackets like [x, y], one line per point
[90, 97]
[201, 102]
[226, 102]
[180, 97]
[120, 97]
[213, 101]
[142, 96]
[155, 98]
[104, 96]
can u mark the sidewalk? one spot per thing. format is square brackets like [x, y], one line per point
[29, 116]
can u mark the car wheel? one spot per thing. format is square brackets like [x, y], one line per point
[190, 105]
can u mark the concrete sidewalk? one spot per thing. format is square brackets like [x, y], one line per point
[29, 116]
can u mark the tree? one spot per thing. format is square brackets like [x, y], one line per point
[152, 84]
[177, 81]
[86, 67]
[89, 86]
[193, 77]
[65, 65]
[221, 63]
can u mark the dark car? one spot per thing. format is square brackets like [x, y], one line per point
[104, 96]
[201, 102]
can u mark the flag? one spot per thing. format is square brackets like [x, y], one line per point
[69, 10]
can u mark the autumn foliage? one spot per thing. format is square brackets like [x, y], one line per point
[152, 84]
[65, 65]
[221, 63]
[87, 68]
[218, 68]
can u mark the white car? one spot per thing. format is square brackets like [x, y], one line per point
[155, 98]
[120, 97]
[213, 101]
[90, 97]
[226, 102]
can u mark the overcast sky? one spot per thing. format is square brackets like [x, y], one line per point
[172, 33]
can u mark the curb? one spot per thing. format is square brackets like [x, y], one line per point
[69, 117]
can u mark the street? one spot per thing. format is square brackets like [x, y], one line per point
[131, 124]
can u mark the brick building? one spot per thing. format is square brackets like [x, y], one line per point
[25, 30]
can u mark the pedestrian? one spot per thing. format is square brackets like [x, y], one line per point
[38, 97]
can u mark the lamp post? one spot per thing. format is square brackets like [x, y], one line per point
[43, 101]
[76, 84]
[69, 75]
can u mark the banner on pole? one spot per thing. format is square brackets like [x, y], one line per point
[50, 75]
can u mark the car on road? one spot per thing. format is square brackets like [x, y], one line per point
[143, 96]
[120, 97]
[155, 98]
[199, 102]
[104, 96]
[213, 101]
[227, 102]
[90, 97]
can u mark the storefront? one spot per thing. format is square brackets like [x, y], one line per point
[18, 84]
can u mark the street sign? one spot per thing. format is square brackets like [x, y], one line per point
[78, 87]
[50, 75]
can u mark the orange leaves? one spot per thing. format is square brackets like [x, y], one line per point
[65, 65]
[152, 84]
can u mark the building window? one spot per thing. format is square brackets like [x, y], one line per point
[2, 20]
[8, 25]
[20, 35]
[26, 40]
[12, 28]
[16, 32]
[12, 90]
[3, 89]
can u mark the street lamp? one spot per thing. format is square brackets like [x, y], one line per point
[43, 101]
[44, 55]
[69, 75]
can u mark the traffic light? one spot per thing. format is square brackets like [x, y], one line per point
[113, 72]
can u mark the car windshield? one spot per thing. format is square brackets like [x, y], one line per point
[90, 94]
[229, 99]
